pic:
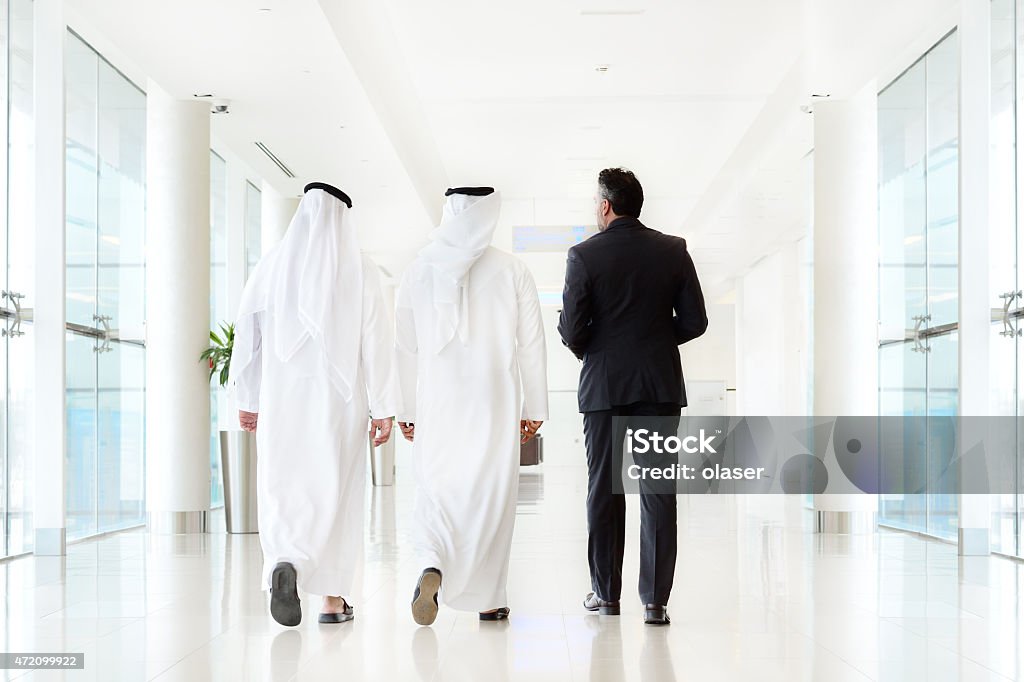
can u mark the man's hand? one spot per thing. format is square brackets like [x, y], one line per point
[247, 420]
[408, 430]
[380, 431]
[528, 429]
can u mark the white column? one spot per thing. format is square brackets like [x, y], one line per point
[49, 34]
[974, 301]
[846, 281]
[276, 213]
[177, 312]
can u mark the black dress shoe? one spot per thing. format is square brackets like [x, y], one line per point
[605, 608]
[284, 596]
[656, 614]
[424, 599]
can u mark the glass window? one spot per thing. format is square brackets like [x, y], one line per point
[106, 144]
[218, 239]
[253, 243]
[17, 196]
[81, 436]
[218, 302]
[1006, 250]
[918, 249]
[120, 436]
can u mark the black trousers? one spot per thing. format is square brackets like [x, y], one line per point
[606, 513]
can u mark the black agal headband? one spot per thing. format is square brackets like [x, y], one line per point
[330, 189]
[470, 191]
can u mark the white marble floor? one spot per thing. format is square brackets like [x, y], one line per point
[757, 597]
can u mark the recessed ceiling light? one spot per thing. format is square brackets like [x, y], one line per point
[602, 68]
[265, 9]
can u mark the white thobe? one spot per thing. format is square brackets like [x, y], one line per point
[312, 446]
[466, 402]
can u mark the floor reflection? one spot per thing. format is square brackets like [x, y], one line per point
[758, 596]
[424, 652]
[531, 488]
[285, 654]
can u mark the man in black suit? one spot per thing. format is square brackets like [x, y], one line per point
[631, 298]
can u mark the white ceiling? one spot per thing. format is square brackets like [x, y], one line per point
[513, 97]
[694, 100]
[288, 82]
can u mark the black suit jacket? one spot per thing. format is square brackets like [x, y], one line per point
[631, 298]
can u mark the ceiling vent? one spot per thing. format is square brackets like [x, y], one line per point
[277, 162]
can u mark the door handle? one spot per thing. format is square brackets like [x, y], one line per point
[1009, 329]
[104, 334]
[920, 346]
[15, 299]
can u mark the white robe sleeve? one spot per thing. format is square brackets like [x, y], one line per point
[406, 350]
[531, 350]
[377, 348]
[246, 372]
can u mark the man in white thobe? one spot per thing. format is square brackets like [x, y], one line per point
[472, 361]
[312, 361]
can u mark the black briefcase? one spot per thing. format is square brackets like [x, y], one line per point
[531, 453]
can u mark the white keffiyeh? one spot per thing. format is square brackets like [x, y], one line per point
[312, 282]
[465, 232]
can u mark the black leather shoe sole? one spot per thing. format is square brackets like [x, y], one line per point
[424, 600]
[284, 596]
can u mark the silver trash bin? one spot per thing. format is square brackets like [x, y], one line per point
[382, 460]
[238, 466]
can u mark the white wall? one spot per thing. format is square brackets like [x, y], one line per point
[772, 331]
[712, 358]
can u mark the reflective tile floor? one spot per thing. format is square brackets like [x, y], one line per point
[757, 597]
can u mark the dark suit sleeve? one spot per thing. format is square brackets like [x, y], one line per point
[574, 321]
[691, 318]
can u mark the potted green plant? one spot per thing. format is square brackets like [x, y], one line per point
[219, 352]
[237, 447]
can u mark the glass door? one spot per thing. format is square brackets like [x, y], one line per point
[106, 138]
[918, 250]
[16, 278]
[1005, 243]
